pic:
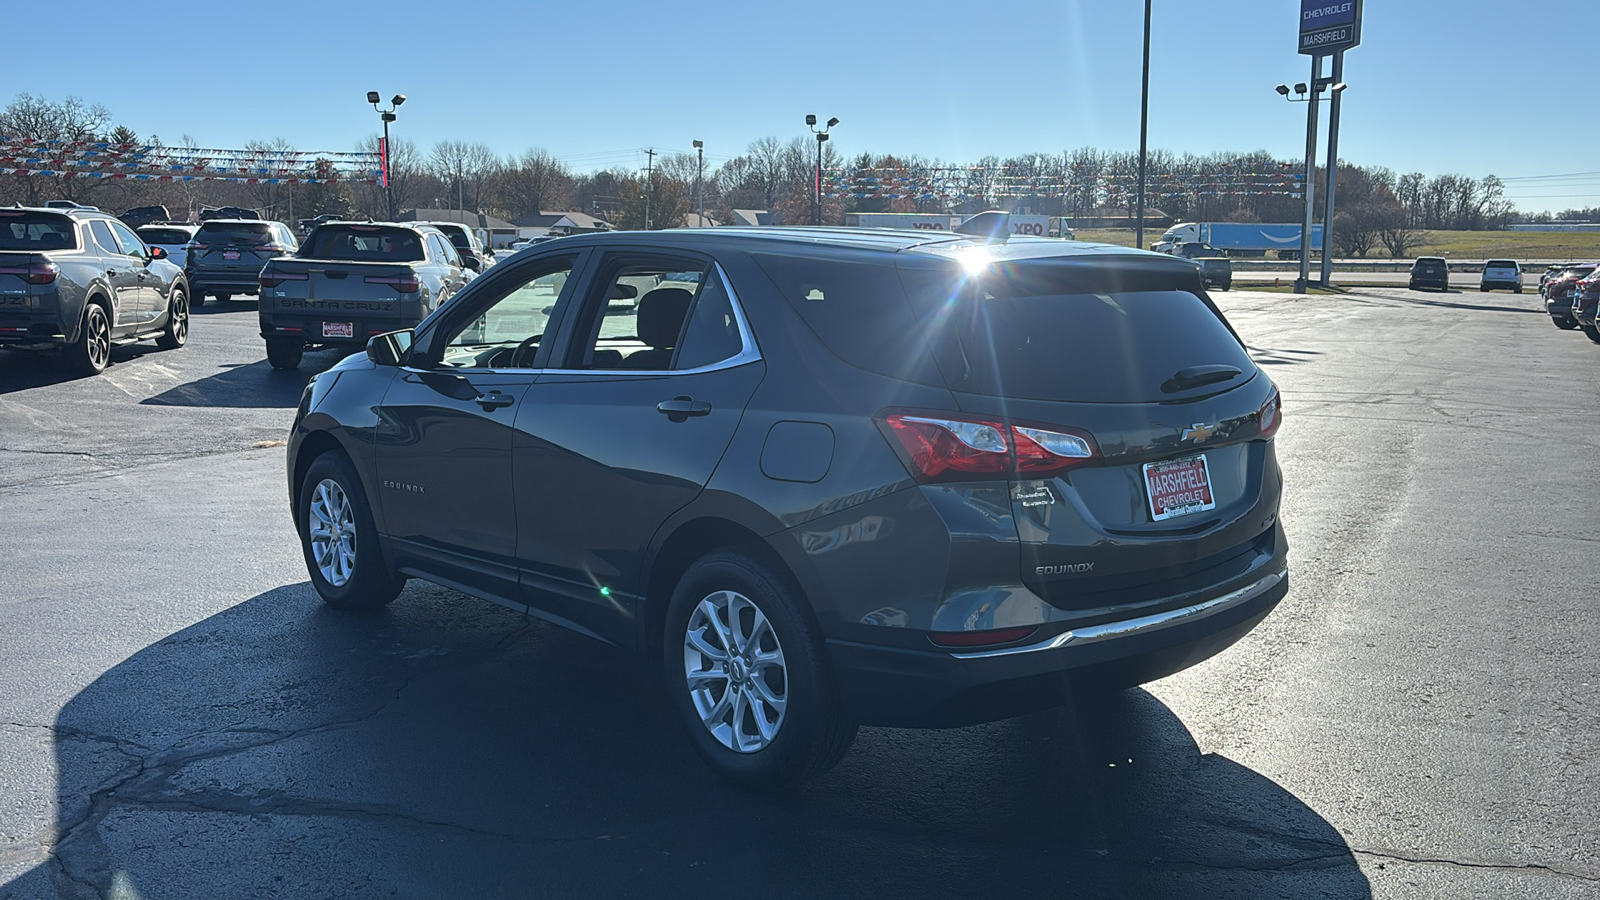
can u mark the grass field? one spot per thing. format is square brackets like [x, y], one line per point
[1579, 245]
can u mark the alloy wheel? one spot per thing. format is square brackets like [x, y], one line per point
[734, 668]
[180, 318]
[98, 341]
[331, 524]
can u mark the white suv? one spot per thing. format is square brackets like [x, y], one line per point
[1501, 273]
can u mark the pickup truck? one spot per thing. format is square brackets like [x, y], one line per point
[77, 279]
[352, 280]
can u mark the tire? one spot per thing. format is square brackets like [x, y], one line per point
[1591, 332]
[1517, 289]
[91, 352]
[198, 300]
[177, 330]
[285, 353]
[339, 540]
[224, 298]
[1565, 324]
[1483, 289]
[808, 733]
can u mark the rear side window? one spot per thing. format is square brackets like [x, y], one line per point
[36, 232]
[457, 236]
[856, 306]
[243, 234]
[375, 243]
[164, 235]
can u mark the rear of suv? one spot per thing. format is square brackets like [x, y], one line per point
[823, 478]
[1501, 273]
[225, 256]
[1430, 271]
[1560, 290]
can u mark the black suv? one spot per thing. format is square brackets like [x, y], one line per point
[822, 477]
[225, 256]
[1430, 271]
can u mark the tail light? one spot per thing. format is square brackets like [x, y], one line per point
[272, 278]
[408, 283]
[196, 245]
[943, 447]
[272, 248]
[1271, 414]
[35, 272]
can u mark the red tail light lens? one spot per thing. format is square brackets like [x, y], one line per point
[272, 248]
[38, 272]
[405, 284]
[272, 278]
[196, 245]
[1271, 414]
[942, 447]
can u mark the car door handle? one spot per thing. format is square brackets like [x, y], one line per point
[680, 408]
[494, 400]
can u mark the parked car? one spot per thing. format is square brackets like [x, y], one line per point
[1196, 250]
[173, 238]
[1559, 290]
[352, 280]
[525, 243]
[68, 204]
[1585, 296]
[1549, 273]
[76, 278]
[1216, 272]
[144, 215]
[225, 256]
[1501, 273]
[876, 477]
[466, 242]
[1430, 271]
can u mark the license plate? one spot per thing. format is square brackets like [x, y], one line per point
[230, 254]
[1178, 487]
[338, 329]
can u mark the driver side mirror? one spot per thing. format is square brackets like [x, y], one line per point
[158, 253]
[391, 348]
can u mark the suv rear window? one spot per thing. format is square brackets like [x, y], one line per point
[457, 236]
[1500, 264]
[164, 235]
[36, 232]
[241, 233]
[376, 243]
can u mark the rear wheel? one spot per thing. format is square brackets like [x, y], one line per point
[91, 353]
[339, 539]
[177, 331]
[745, 667]
[1565, 324]
[285, 353]
[198, 300]
[1592, 333]
[224, 298]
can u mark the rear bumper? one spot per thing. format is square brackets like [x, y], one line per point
[1584, 315]
[1498, 285]
[32, 326]
[224, 281]
[935, 688]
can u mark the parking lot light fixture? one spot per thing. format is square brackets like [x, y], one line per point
[822, 136]
[1283, 89]
[387, 116]
[700, 166]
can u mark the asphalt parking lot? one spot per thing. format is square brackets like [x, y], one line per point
[181, 717]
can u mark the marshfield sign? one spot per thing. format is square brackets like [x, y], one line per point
[1327, 26]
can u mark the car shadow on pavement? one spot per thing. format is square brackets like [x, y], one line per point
[1277, 356]
[251, 385]
[22, 370]
[447, 748]
[1462, 304]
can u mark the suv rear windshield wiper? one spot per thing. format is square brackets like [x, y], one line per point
[1196, 376]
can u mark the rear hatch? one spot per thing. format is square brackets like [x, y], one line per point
[222, 246]
[1499, 270]
[25, 237]
[1128, 359]
[349, 281]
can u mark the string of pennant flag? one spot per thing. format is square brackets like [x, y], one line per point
[153, 162]
[156, 176]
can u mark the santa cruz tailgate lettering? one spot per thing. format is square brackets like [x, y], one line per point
[352, 305]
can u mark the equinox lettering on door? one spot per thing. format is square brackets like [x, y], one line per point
[402, 486]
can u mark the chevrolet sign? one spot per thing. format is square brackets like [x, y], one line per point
[1327, 26]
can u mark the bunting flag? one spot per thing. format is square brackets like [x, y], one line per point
[147, 162]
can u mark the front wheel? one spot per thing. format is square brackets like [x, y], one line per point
[339, 539]
[177, 330]
[747, 674]
[285, 353]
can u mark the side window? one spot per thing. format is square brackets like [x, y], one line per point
[131, 245]
[712, 334]
[447, 250]
[104, 238]
[634, 317]
[506, 335]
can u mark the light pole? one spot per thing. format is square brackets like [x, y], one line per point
[700, 167]
[387, 115]
[1144, 129]
[822, 136]
[1314, 89]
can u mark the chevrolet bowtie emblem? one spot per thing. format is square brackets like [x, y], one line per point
[1198, 432]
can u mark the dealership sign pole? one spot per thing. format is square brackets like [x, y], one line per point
[1327, 27]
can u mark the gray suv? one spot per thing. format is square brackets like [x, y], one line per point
[820, 477]
[226, 255]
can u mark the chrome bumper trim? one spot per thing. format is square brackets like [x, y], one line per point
[1141, 625]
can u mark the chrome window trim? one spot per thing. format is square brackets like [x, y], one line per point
[1142, 625]
[748, 353]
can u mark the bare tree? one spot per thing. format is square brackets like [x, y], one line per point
[406, 177]
[533, 182]
[31, 118]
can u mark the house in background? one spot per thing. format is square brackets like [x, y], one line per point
[753, 217]
[495, 233]
[556, 224]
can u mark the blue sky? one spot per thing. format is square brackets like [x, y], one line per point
[595, 83]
